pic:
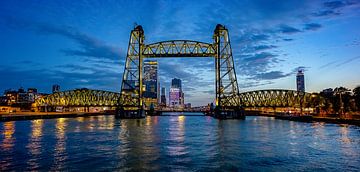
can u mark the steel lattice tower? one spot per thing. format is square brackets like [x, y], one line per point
[227, 91]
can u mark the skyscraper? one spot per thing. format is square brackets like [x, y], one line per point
[150, 82]
[163, 97]
[176, 83]
[300, 82]
[176, 95]
[174, 98]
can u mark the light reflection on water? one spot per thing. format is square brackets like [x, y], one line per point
[60, 154]
[8, 131]
[7, 144]
[180, 143]
[34, 144]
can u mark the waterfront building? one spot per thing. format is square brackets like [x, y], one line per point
[11, 97]
[55, 88]
[151, 83]
[20, 97]
[32, 94]
[300, 82]
[3, 100]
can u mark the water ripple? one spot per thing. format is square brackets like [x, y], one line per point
[177, 143]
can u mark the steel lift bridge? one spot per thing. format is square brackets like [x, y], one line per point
[131, 103]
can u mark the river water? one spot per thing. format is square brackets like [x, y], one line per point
[177, 143]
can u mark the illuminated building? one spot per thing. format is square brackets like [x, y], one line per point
[300, 82]
[3, 100]
[55, 88]
[32, 94]
[20, 98]
[151, 82]
[11, 97]
[176, 83]
[174, 98]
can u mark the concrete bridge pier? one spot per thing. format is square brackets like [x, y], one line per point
[235, 113]
[130, 114]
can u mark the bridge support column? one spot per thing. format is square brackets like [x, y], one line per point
[130, 114]
[233, 113]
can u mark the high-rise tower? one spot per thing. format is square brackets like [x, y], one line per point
[163, 97]
[176, 95]
[300, 82]
[150, 82]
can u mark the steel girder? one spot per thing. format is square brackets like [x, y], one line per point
[80, 98]
[131, 88]
[278, 98]
[179, 48]
[227, 90]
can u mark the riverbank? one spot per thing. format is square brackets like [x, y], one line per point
[42, 115]
[333, 120]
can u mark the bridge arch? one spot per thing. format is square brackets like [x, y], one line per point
[79, 98]
[279, 98]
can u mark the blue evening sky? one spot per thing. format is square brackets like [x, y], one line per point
[83, 43]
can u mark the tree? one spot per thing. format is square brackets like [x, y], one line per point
[356, 93]
[343, 96]
[328, 95]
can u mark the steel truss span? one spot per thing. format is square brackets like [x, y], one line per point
[227, 90]
[80, 98]
[179, 48]
[279, 98]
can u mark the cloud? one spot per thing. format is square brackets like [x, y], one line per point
[69, 76]
[257, 48]
[253, 84]
[270, 75]
[334, 8]
[90, 46]
[347, 61]
[288, 29]
[339, 63]
[288, 39]
[312, 26]
[326, 13]
[334, 4]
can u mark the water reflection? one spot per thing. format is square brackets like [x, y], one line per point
[60, 154]
[8, 142]
[123, 148]
[7, 145]
[176, 146]
[344, 131]
[346, 142]
[179, 143]
[34, 146]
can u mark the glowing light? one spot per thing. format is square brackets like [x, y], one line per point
[9, 129]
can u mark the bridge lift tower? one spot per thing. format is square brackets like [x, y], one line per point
[227, 91]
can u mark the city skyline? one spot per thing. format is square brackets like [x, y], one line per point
[79, 45]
